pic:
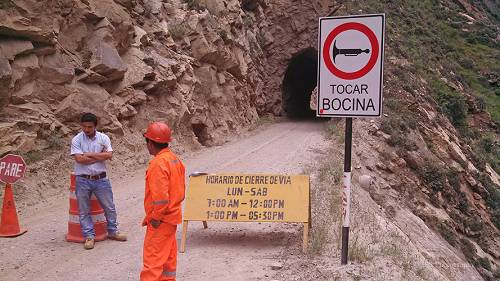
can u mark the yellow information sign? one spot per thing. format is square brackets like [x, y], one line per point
[247, 198]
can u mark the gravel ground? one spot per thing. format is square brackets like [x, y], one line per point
[224, 251]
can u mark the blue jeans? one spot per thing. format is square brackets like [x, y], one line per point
[102, 190]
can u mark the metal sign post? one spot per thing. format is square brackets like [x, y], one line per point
[346, 194]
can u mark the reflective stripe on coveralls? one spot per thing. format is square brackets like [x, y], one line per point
[161, 202]
[168, 273]
[160, 253]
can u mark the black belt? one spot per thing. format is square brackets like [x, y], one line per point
[94, 177]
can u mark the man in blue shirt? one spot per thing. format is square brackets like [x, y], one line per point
[91, 149]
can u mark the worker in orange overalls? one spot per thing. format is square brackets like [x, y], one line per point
[165, 188]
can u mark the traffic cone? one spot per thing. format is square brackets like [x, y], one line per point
[96, 212]
[9, 225]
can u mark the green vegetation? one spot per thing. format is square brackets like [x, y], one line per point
[463, 203]
[266, 119]
[262, 121]
[468, 249]
[326, 202]
[336, 130]
[195, 5]
[32, 156]
[487, 151]
[484, 262]
[223, 34]
[451, 102]
[261, 38]
[247, 21]
[448, 234]
[178, 31]
[357, 251]
[330, 172]
[55, 141]
[399, 124]
[319, 239]
[496, 217]
[6, 4]
[474, 224]
[433, 174]
[453, 179]
[492, 198]
[401, 120]
[470, 253]
[431, 34]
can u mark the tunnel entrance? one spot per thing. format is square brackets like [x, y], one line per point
[200, 130]
[298, 84]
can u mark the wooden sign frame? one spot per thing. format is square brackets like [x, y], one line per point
[306, 225]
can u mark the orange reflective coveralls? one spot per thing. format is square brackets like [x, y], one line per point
[165, 189]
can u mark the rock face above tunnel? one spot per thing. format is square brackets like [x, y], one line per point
[131, 62]
[290, 58]
[216, 66]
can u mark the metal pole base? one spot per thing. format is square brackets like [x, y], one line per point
[345, 246]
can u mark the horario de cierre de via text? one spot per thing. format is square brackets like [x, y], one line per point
[249, 179]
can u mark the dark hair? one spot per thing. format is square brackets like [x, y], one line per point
[89, 117]
[158, 145]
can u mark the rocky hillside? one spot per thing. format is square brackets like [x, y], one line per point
[129, 62]
[211, 68]
[438, 144]
[207, 67]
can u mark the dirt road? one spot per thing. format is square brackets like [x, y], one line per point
[236, 251]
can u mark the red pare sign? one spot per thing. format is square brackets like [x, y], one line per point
[12, 168]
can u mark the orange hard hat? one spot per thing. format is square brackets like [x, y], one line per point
[158, 132]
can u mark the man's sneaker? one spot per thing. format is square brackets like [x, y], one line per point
[89, 244]
[117, 236]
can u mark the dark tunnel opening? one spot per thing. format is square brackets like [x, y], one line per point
[299, 82]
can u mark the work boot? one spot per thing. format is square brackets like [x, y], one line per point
[89, 244]
[117, 236]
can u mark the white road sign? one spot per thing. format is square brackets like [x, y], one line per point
[350, 68]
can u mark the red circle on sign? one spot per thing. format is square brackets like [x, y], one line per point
[12, 168]
[374, 52]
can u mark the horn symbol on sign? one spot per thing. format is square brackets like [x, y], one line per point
[347, 52]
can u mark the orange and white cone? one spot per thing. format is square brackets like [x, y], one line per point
[96, 212]
[9, 225]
